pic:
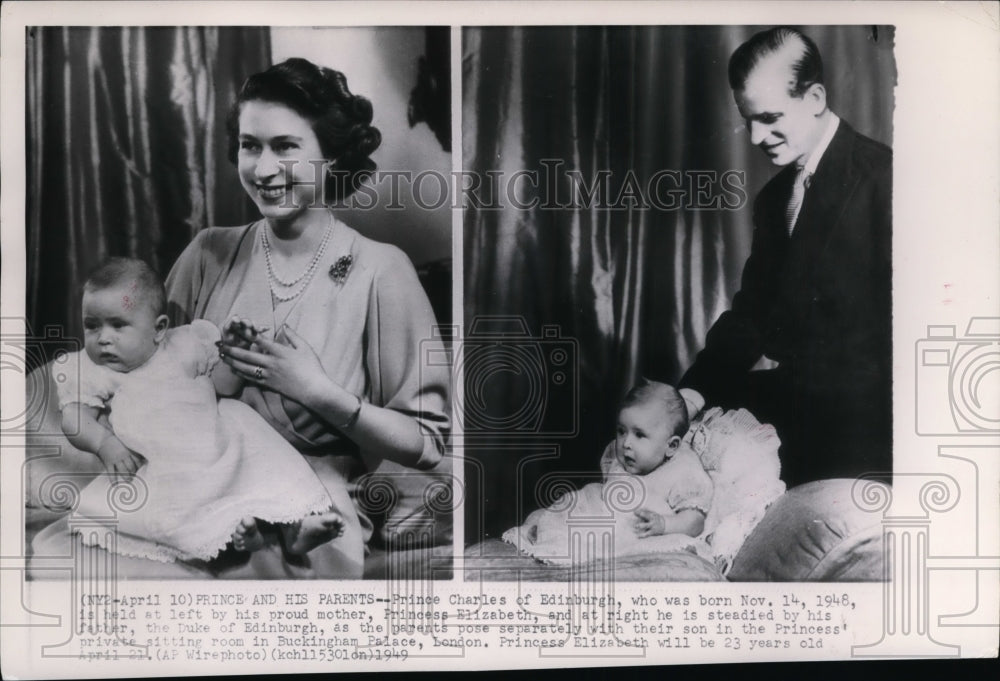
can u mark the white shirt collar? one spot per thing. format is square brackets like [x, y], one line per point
[831, 129]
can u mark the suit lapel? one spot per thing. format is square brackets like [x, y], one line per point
[826, 199]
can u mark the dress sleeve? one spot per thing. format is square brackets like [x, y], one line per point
[184, 283]
[406, 355]
[692, 488]
[78, 379]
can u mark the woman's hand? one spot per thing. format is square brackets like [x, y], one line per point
[290, 366]
[240, 333]
[287, 365]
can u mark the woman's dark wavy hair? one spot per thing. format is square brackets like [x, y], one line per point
[340, 119]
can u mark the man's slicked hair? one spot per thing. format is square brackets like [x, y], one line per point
[807, 68]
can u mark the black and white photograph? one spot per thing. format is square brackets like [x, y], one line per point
[697, 220]
[422, 335]
[207, 227]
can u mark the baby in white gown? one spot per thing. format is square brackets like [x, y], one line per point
[655, 495]
[208, 467]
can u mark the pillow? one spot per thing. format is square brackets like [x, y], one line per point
[55, 470]
[411, 508]
[813, 533]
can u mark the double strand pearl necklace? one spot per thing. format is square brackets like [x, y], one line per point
[299, 284]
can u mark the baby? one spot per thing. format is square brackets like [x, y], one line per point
[655, 490]
[652, 419]
[210, 468]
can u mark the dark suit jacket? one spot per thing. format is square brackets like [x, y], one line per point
[819, 302]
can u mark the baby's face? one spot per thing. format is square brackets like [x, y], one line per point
[644, 438]
[120, 330]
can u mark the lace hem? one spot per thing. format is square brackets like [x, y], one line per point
[133, 547]
[656, 545]
[138, 547]
[513, 537]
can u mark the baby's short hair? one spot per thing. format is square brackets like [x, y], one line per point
[674, 406]
[132, 272]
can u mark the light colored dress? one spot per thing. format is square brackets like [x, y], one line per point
[209, 464]
[367, 317]
[597, 521]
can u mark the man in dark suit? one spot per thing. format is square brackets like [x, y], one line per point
[816, 290]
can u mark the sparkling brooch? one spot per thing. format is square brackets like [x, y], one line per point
[340, 269]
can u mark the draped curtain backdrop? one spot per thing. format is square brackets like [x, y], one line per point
[126, 149]
[636, 288]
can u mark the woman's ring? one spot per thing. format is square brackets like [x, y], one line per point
[258, 373]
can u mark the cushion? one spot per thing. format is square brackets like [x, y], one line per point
[433, 562]
[410, 507]
[55, 470]
[814, 532]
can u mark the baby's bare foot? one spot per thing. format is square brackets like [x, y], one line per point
[313, 530]
[247, 536]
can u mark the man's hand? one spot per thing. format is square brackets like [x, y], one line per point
[648, 523]
[120, 461]
[694, 401]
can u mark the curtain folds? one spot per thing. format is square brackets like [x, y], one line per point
[126, 149]
[636, 285]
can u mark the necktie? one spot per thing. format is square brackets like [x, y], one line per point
[795, 203]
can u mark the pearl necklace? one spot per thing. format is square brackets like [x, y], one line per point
[275, 281]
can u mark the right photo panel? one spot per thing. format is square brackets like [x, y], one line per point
[677, 343]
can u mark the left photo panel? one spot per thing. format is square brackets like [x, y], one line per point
[238, 299]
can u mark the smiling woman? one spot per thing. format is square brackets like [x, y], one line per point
[276, 147]
[282, 170]
[326, 328]
[340, 377]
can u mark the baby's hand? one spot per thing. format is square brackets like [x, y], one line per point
[240, 333]
[120, 461]
[648, 523]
